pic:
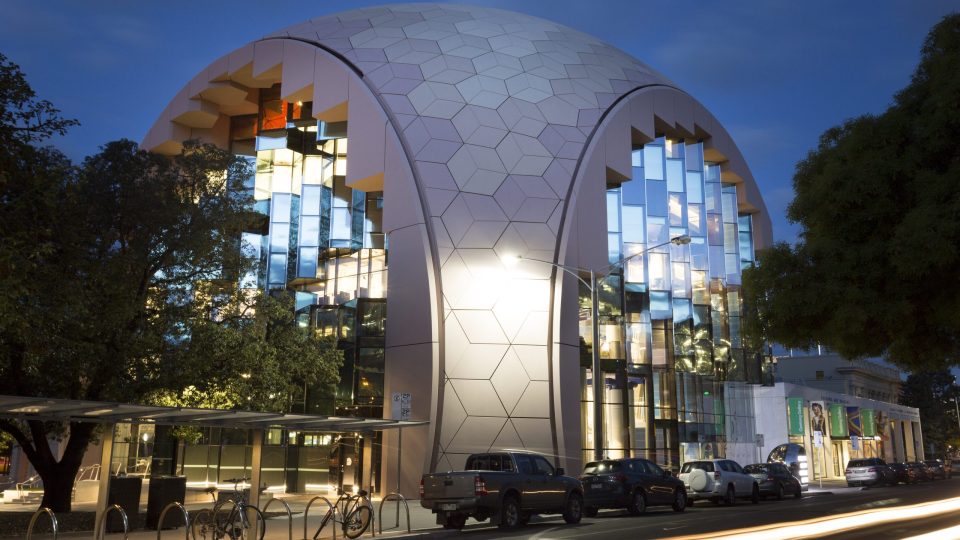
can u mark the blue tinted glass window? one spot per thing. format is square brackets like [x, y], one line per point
[659, 304]
[278, 269]
[694, 187]
[307, 263]
[279, 237]
[311, 200]
[281, 207]
[675, 175]
[613, 211]
[613, 247]
[657, 231]
[636, 158]
[653, 162]
[310, 231]
[633, 224]
[632, 191]
[656, 198]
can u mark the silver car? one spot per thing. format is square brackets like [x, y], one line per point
[869, 471]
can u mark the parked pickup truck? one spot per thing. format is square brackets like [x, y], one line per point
[506, 487]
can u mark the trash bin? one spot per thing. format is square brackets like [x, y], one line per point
[164, 490]
[125, 491]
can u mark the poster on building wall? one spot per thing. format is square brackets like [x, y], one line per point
[794, 416]
[868, 423]
[818, 417]
[838, 420]
[853, 422]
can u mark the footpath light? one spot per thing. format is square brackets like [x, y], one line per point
[592, 285]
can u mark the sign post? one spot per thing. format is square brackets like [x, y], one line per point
[818, 443]
[400, 411]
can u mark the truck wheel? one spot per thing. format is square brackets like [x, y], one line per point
[590, 511]
[510, 513]
[638, 504]
[455, 521]
[573, 511]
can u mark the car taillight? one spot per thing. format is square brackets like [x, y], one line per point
[479, 486]
[716, 476]
[620, 477]
[846, 471]
[769, 478]
[421, 488]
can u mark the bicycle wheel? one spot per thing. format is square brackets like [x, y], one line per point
[202, 525]
[357, 521]
[244, 524]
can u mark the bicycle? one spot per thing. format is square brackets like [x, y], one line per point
[236, 524]
[354, 517]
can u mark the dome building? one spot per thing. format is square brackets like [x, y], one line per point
[443, 187]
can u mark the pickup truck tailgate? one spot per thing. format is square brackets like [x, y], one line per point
[454, 485]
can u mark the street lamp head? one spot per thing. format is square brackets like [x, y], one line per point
[680, 240]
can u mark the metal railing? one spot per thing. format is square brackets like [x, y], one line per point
[289, 516]
[306, 513]
[53, 522]
[400, 499]
[102, 524]
[186, 519]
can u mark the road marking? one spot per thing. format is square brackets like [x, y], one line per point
[541, 533]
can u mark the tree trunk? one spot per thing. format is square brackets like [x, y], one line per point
[58, 476]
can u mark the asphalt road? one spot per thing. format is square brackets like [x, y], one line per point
[705, 518]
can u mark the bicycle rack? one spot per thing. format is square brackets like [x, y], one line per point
[306, 512]
[186, 519]
[102, 524]
[373, 519]
[53, 522]
[289, 515]
[400, 499]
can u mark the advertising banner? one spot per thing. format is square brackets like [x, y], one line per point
[869, 423]
[818, 417]
[794, 416]
[838, 420]
[854, 426]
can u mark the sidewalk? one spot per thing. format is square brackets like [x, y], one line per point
[278, 526]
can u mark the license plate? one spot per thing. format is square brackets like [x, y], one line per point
[596, 486]
[448, 506]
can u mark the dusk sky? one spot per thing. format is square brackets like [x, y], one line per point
[776, 74]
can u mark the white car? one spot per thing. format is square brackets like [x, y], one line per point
[718, 480]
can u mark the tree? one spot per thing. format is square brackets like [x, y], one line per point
[118, 282]
[933, 392]
[874, 270]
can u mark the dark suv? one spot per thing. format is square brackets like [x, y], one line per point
[630, 483]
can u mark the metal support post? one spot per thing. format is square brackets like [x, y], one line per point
[597, 373]
[255, 459]
[103, 491]
[399, 454]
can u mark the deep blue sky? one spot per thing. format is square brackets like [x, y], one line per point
[776, 74]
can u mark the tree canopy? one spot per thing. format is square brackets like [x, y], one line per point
[933, 393]
[119, 282]
[874, 270]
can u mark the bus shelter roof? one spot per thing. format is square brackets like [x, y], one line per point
[103, 412]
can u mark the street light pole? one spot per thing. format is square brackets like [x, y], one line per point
[593, 285]
[957, 405]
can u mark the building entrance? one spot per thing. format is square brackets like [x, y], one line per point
[346, 464]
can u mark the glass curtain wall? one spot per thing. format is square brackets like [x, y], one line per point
[669, 317]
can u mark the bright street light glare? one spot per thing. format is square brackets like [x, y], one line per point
[511, 259]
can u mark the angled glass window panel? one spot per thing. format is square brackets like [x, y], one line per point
[698, 283]
[694, 187]
[656, 198]
[660, 305]
[633, 230]
[717, 258]
[657, 230]
[310, 231]
[695, 219]
[681, 281]
[653, 162]
[712, 197]
[711, 172]
[310, 201]
[701, 315]
[613, 210]
[633, 191]
[731, 241]
[342, 195]
[638, 335]
[734, 323]
[307, 262]
[277, 273]
[636, 157]
[633, 268]
[675, 175]
[714, 230]
[280, 212]
[659, 272]
[673, 149]
[694, 157]
[732, 267]
[729, 204]
[675, 208]
[698, 253]
[341, 224]
[279, 237]
[613, 247]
